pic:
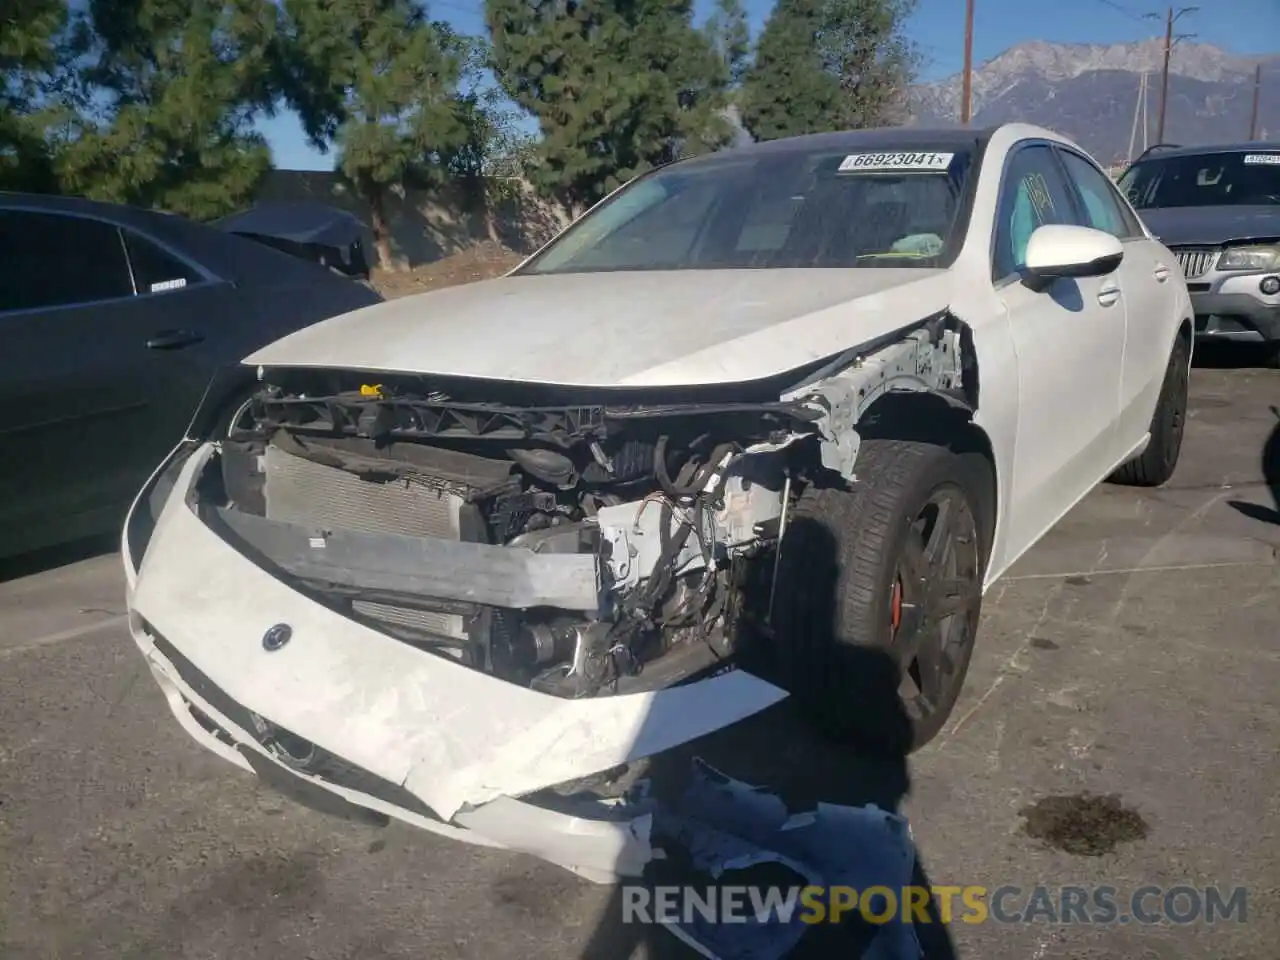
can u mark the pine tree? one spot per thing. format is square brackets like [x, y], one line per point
[377, 81]
[863, 45]
[616, 87]
[29, 34]
[177, 85]
[486, 165]
[825, 65]
[731, 36]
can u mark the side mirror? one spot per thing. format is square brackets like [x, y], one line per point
[1059, 250]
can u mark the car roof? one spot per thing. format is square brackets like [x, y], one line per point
[938, 137]
[880, 138]
[1172, 150]
[148, 221]
[229, 256]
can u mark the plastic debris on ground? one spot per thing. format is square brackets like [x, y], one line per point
[734, 834]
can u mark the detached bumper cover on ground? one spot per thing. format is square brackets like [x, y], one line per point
[723, 827]
[426, 740]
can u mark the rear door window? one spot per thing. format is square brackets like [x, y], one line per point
[156, 270]
[54, 260]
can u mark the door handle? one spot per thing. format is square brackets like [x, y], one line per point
[173, 339]
[1161, 272]
[1108, 295]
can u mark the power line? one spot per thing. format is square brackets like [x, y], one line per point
[1121, 8]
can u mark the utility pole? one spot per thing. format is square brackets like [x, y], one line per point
[1171, 17]
[966, 94]
[1139, 110]
[1146, 117]
[1257, 94]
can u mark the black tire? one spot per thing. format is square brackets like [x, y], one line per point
[1157, 463]
[844, 611]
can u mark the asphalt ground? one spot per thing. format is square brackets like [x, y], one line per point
[1134, 654]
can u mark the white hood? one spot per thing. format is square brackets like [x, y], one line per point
[640, 329]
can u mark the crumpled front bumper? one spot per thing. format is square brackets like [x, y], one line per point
[417, 737]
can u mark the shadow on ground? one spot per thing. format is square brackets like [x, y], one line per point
[28, 564]
[1270, 476]
[1236, 356]
[783, 751]
[1229, 356]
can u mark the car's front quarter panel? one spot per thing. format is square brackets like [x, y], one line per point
[976, 303]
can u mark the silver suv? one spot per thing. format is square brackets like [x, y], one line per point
[1218, 209]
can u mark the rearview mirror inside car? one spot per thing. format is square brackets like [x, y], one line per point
[1060, 250]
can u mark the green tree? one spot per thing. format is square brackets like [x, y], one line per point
[377, 81]
[825, 65]
[487, 164]
[176, 86]
[864, 44]
[617, 87]
[731, 36]
[29, 34]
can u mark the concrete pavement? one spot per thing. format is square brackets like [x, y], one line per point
[1135, 652]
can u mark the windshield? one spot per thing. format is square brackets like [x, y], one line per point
[1204, 180]
[773, 209]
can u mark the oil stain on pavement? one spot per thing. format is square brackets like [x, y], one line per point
[1083, 824]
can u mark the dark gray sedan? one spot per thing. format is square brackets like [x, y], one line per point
[112, 322]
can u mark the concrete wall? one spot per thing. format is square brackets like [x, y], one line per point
[427, 226]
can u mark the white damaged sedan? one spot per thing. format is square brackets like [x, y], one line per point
[439, 557]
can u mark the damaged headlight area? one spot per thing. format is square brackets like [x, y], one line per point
[576, 545]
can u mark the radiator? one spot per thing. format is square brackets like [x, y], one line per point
[302, 491]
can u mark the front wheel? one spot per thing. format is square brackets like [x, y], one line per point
[1158, 461]
[879, 592]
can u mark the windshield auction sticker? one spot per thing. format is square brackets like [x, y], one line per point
[858, 162]
[1252, 158]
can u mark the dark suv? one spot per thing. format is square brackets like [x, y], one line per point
[1218, 209]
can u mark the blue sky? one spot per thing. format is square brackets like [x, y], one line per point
[1240, 26]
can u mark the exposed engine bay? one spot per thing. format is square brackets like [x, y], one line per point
[579, 546]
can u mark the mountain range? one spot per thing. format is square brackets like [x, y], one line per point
[1090, 92]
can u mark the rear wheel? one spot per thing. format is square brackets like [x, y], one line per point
[1157, 463]
[879, 592]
